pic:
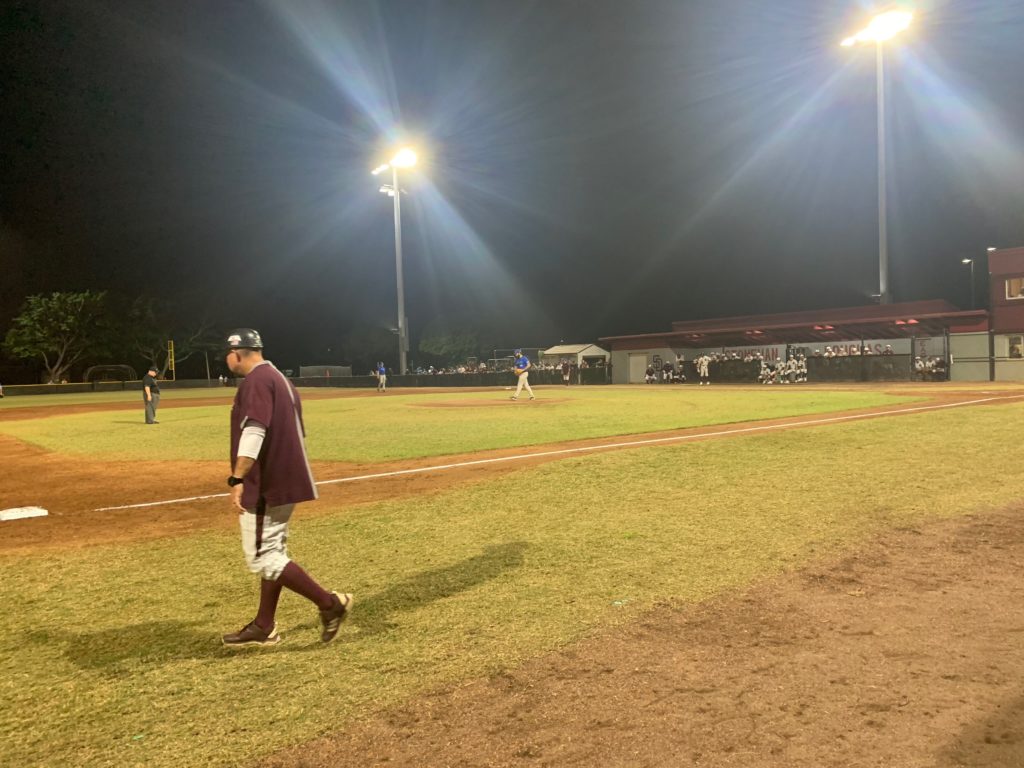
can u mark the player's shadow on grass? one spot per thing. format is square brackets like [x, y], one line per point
[375, 613]
[154, 642]
[110, 651]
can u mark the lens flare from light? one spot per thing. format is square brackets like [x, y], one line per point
[884, 26]
[406, 158]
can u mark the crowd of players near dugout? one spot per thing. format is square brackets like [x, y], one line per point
[792, 370]
[496, 366]
[789, 371]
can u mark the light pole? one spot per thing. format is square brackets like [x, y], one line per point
[883, 27]
[971, 262]
[406, 158]
[987, 276]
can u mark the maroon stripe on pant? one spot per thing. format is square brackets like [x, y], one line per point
[261, 511]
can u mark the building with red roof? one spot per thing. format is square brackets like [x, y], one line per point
[973, 345]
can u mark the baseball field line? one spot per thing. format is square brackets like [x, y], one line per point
[602, 447]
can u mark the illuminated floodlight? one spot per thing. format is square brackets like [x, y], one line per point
[405, 158]
[990, 249]
[884, 26]
[966, 261]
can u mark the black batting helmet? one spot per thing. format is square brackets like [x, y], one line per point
[243, 338]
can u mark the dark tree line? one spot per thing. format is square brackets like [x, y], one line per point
[64, 329]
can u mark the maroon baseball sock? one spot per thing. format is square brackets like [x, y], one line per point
[297, 580]
[270, 591]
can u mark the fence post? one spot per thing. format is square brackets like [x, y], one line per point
[991, 355]
[949, 357]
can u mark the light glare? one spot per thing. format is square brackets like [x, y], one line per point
[884, 26]
[405, 158]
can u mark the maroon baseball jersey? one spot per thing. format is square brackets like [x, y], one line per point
[281, 474]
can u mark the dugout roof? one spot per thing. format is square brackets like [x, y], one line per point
[586, 350]
[819, 326]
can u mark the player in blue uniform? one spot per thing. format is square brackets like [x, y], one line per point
[522, 370]
[382, 378]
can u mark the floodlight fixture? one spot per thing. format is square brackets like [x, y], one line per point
[973, 293]
[884, 26]
[406, 158]
[990, 248]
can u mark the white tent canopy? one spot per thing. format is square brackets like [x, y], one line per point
[575, 352]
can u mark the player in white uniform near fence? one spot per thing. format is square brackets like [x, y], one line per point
[703, 369]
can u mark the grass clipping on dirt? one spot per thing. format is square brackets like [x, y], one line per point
[112, 654]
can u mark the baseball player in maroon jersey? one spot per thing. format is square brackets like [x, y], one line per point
[270, 475]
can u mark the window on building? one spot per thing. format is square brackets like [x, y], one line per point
[1017, 347]
[1015, 288]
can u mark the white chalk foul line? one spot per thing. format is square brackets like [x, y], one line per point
[602, 447]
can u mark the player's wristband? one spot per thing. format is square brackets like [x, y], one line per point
[233, 481]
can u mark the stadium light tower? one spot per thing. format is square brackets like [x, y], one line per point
[971, 262]
[883, 27]
[405, 158]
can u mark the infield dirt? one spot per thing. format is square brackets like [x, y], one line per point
[74, 489]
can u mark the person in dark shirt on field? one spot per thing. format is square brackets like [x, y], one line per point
[150, 394]
[270, 475]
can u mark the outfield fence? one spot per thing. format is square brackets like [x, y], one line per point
[867, 368]
[587, 376]
[105, 386]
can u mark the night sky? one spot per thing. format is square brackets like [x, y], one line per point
[589, 168]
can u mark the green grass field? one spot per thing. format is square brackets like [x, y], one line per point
[372, 429]
[93, 398]
[113, 654]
